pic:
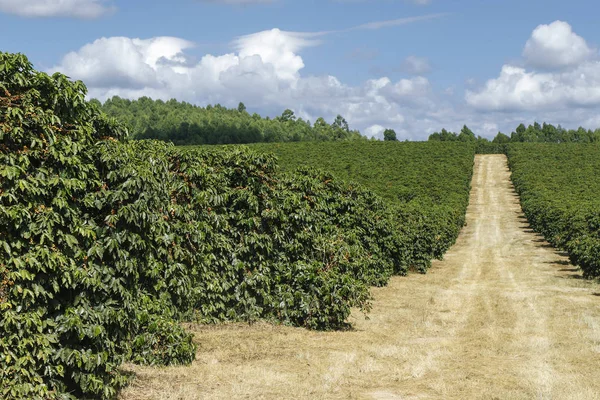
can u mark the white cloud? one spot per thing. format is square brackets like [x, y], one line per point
[575, 84]
[375, 131]
[518, 89]
[264, 72]
[277, 48]
[124, 62]
[409, 91]
[556, 46]
[559, 82]
[515, 88]
[490, 127]
[56, 8]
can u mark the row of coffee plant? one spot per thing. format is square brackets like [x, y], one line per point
[559, 186]
[106, 244]
[426, 185]
[78, 290]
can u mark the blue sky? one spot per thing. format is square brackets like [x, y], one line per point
[412, 65]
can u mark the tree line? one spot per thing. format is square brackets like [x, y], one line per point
[187, 124]
[536, 133]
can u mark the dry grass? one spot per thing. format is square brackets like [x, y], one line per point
[501, 318]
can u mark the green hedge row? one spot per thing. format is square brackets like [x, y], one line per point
[77, 295]
[105, 245]
[425, 184]
[559, 186]
[490, 148]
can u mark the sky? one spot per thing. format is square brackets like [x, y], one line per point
[415, 66]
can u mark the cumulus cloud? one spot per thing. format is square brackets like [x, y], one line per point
[56, 8]
[569, 76]
[123, 62]
[556, 46]
[278, 48]
[515, 88]
[518, 89]
[375, 131]
[408, 91]
[264, 64]
[264, 70]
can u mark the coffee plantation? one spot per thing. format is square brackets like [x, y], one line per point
[426, 185]
[558, 187]
[107, 244]
[75, 297]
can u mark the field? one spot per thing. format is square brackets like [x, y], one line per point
[431, 172]
[559, 189]
[503, 316]
[107, 244]
[426, 184]
[139, 270]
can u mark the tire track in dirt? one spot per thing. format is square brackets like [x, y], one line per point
[504, 316]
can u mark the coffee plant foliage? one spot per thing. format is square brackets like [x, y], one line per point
[424, 184]
[558, 185]
[76, 290]
[291, 247]
[106, 245]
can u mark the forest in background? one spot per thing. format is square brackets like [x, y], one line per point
[536, 133]
[186, 124]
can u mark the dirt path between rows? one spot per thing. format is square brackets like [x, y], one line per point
[504, 316]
